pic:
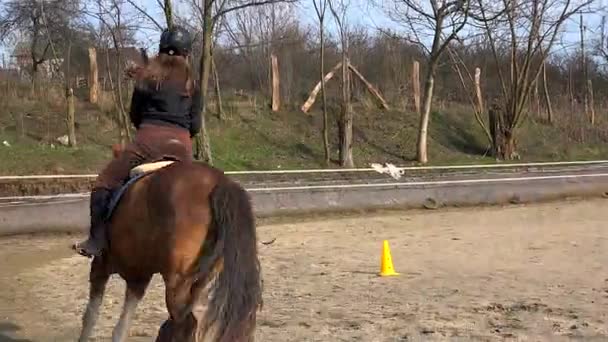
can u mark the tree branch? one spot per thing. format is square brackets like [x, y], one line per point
[142, 11]
[225, 11]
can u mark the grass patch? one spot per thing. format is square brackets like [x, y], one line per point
[257, 139]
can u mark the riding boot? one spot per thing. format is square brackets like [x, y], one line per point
[97, 242]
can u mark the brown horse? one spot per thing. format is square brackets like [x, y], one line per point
[193, 225]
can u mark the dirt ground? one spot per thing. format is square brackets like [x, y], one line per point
[525, 273]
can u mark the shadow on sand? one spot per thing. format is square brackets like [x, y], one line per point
[7, 333]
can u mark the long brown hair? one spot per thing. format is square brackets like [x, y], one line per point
[164, 68]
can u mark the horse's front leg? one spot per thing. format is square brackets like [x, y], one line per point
[134, 293]
[98, 279]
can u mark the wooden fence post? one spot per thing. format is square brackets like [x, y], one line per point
[71, 120]
[478, 96]
[591, 104]
[276, 85]
[93, 76]
[416, 85]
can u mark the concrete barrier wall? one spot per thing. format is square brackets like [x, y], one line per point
[272, 203]
[72, 215]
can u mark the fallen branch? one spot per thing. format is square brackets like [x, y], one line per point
[369, 86]
[313, 94]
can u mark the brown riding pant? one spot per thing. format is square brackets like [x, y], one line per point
[152, 143]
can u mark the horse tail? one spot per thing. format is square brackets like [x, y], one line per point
[237, 291]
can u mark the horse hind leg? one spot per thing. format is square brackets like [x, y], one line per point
[204, 294]
[134, 292]
[184, 321]
[98, 279]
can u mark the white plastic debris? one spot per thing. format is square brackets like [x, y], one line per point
[5, 143]
[388, 169]
[63, 140]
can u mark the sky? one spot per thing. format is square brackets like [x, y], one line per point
[360, 13]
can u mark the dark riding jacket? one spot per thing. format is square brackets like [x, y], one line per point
[166, 106]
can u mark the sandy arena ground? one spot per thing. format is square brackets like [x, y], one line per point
[533, 273]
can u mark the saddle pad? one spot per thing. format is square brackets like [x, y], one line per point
[136, 174]
[149, 167]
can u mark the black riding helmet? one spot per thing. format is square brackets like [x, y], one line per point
[175, 41]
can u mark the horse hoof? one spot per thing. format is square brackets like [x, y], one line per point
[81, 251]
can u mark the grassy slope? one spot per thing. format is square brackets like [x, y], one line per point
[262, 140]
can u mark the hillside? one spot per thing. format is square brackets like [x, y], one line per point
[257, 139]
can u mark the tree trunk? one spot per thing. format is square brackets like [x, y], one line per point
[168, 9]
[571, 92]
[34, 79]
[536, 98]
[203, 147]
[218, 92]
[117, 102]
[494, 123]
[35, 61]
[546, 95]
[584, 68]
[69, 97]
[324, 97]
[509, 147]
[123, 120]
[70, 120]
[422, 154]
[122, 112]
[503, 136]
[346, 122]
[20, 125]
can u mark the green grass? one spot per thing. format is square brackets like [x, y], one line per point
[250, 140]
[27, 157]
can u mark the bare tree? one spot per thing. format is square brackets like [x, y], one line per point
[209, 13]
[444, 20]
[530, 29]
[258, 31]
[69, 91]
[165, 5]
[587, 84]
[48, 24]
[472, 88]
[320, 9]
[339, 10]
[547, 98]
[28, 18]
[168, 10]
[602, 43]
[117, 29]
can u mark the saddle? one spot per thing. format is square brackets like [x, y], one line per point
[135, 175]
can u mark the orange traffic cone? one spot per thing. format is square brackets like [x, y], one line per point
[386, 263]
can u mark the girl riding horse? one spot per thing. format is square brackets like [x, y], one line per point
[165, 111]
